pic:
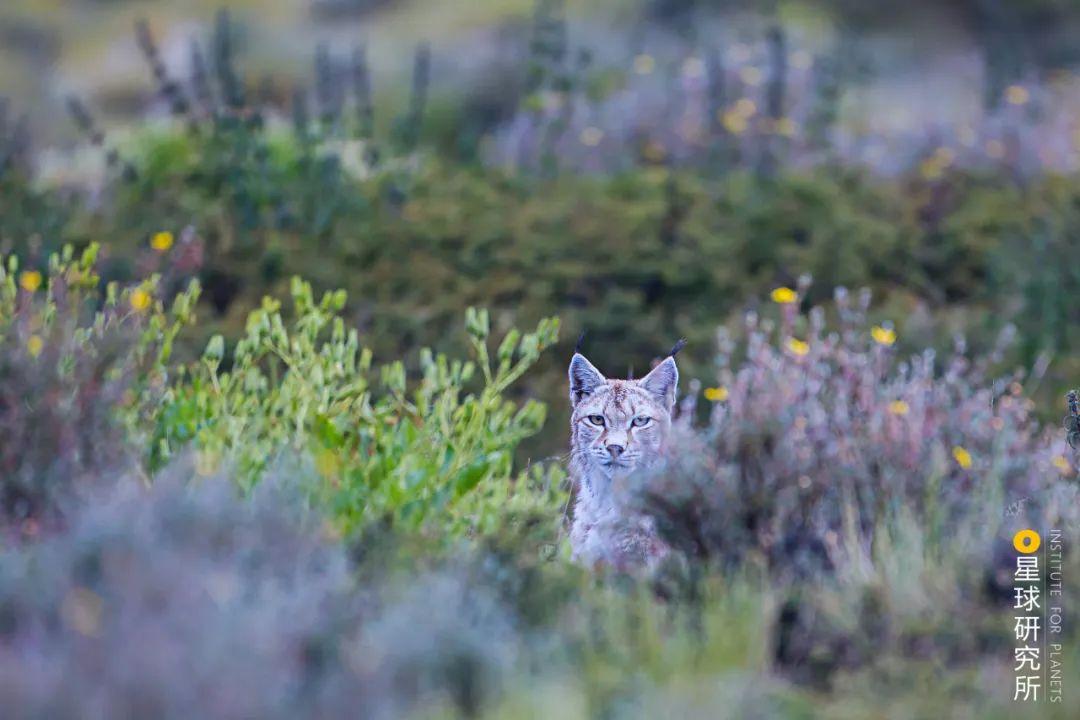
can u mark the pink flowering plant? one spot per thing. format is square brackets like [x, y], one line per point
[818, 432]
[876, 493]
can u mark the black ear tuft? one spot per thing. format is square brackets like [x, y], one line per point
[677, 347]
[584, 378]
[580, 343]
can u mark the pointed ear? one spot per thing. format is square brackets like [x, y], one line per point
[662, 382]
[584, 378]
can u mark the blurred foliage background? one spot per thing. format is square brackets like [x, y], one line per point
[642, 169]
[276, 494]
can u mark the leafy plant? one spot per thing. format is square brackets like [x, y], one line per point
[818, 434]
[880, 491]
[436, 450]
[82, 369]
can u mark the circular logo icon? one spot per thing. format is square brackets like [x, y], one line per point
[1026, 541]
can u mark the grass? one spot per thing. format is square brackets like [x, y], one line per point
[296, 521]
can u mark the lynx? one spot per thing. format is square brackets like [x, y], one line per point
[616, 428]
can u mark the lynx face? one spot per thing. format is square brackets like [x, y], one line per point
[618, 426]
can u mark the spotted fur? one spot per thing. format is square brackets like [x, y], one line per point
[616, 427]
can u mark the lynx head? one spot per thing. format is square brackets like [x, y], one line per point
[618, 426]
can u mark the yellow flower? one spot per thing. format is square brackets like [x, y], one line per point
[30, 280]
[883, 336]
[162, 241]
[1062, 464]
[962, 457]
[784, 296]
[734, 123]
[34, 345]
[644, 64]
[716, 394]
[140, 300]
[899, 407]
[1017, 95]
[798, 347]
[591, 136]
[931, 169]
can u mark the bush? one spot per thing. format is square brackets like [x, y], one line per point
[81, 371]
[185, 600]
[881, 492]
[839, 517]
[89, 388]
[298, 523]
[638, 259]
[435, 452]
[821, 434]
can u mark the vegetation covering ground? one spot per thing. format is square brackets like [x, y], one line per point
[282, 409]
[180, 537]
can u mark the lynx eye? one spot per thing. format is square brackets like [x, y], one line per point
[641, 421]
[597, 419]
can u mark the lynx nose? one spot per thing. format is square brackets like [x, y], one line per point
[615, 450]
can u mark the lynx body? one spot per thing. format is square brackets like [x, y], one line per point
[616, 428]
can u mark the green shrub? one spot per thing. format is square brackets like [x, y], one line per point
[854, 581]
[638, 259]
[435, 451]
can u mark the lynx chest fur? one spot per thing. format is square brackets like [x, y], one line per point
[617, 427]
